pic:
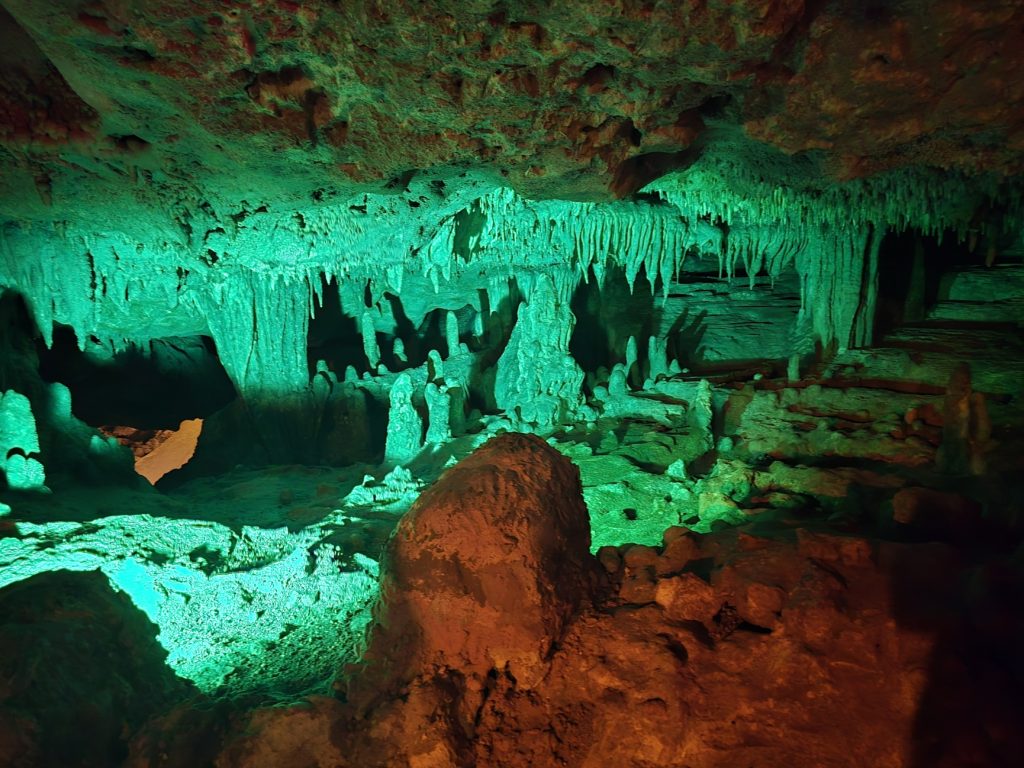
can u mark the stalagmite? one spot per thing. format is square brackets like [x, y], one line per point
[457, 393]
[405, 427]
[451, 333]
[617, 382]
[537, 381]
[439, 407]
[435, 366]
[793, 368]
[370, 346]
[324, 381]
[398, 350]
[966, 426]
[657, 356]
[19, 443]
[631, 355]
[701, 414]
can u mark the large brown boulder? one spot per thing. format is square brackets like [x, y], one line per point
[486, 570]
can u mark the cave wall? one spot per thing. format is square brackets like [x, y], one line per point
[423, 161]
[713, 269]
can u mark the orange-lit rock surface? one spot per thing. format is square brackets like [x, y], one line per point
[769, 645]
[567, 99]
[487, 568]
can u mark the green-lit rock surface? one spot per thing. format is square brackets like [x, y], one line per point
[256, 583]
[82, 671]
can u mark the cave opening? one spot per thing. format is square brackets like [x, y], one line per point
[151, 398]
[917, 273]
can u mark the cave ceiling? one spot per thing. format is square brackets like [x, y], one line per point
[169, 166]
[177, 103]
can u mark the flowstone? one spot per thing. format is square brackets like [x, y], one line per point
[18, 442]
[538, 382]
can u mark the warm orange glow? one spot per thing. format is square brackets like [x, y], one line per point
[171, 454]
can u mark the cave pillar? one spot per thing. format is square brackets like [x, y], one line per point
[839, 284]
[537, 382]
[259, 324]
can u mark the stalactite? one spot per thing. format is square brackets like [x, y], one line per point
[368, 331]
[832, 272]
[260, 333]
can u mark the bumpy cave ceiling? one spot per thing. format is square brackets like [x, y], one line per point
[184, 159]
[282, 103]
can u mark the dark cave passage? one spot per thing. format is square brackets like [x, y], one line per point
[155, 386]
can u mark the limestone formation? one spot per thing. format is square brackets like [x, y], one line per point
[487, 569]
[966, 427]
[700, 415]
[748, 274]
[370, 347]
[405, 426]
[439, 409]
[451, 333]
[657, 358]
[538, 382]
[19, 443]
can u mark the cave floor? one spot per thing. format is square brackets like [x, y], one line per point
[261, 581]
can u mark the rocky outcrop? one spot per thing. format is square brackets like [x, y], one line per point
[82, 670]
[486, 570]
[771, 644]
[481, 580]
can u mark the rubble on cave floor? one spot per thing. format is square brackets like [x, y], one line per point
[501, 641]
[721, 505]
[212, 560]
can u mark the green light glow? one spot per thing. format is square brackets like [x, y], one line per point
[252, 610]
[19, 443]
[255, 591]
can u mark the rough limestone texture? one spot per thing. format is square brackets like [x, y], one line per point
[19, 443]
[537, 382]
[487, 568]
[82, 670]
[575, 99]
[402, 160]
[405, 425]
[776, 643]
